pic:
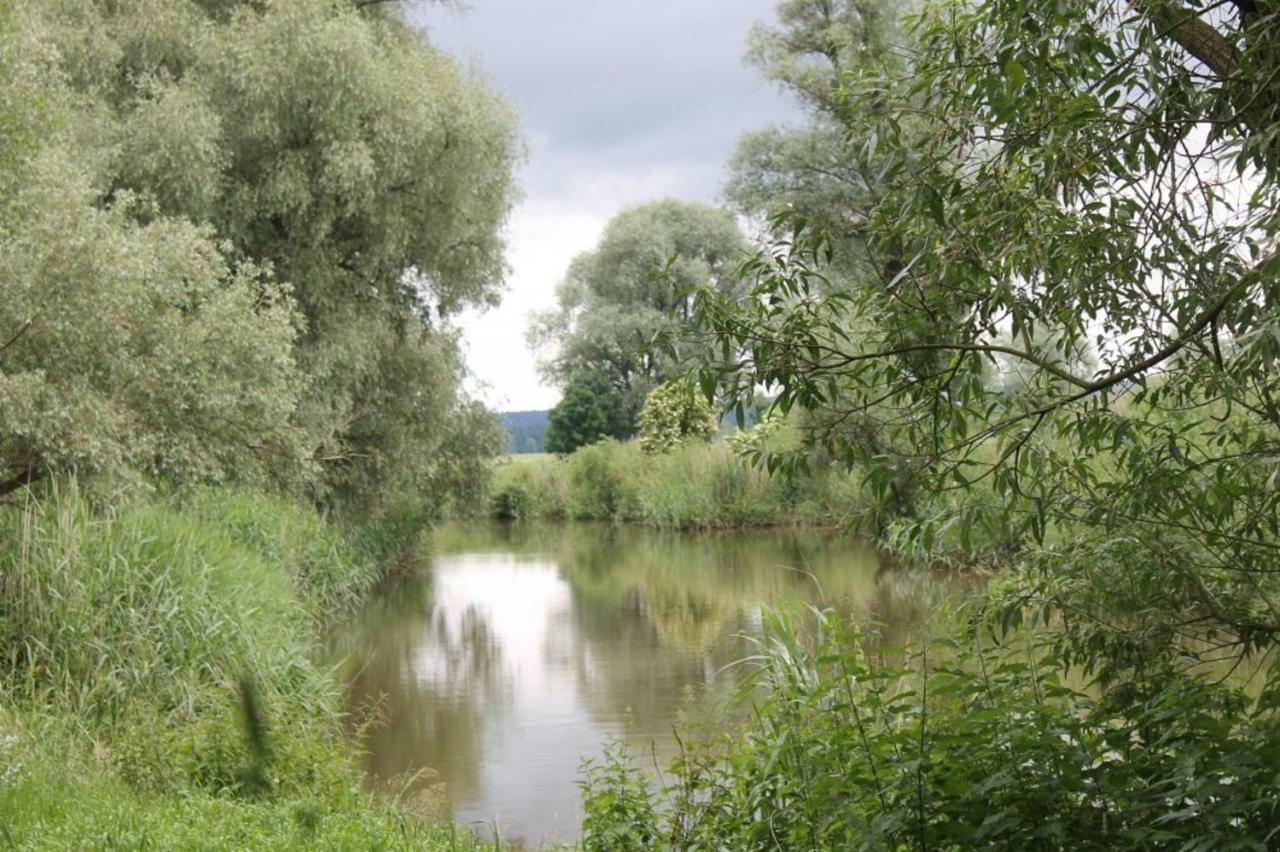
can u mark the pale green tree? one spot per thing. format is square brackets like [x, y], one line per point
[331, 144]
[809, 50]
[634, 286]
[124, 346]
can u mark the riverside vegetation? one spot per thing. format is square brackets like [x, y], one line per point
[160, 684]
[1022, 279]
[1014, 303]
[232, 235]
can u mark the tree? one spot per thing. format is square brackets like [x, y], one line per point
[332, 145]
[1078, 176]
[807, 170]
[674, 412]
[591, 409]
[633, 287]
[127, 346]
[822, 174]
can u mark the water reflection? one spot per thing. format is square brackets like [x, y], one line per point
[522, 648]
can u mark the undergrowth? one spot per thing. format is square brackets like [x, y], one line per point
[975, 740]
[695, 486]
[159, 687]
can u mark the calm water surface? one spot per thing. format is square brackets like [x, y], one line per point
[520, 650]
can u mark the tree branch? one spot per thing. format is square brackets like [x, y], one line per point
[1194, 35]
[23, 478]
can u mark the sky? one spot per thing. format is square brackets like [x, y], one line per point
[620, 102]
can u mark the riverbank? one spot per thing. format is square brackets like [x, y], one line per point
[160, 687]
[695, 487]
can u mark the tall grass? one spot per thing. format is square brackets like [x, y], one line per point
[101, 608]
[157, 660]
[332, 563]
[697, 486]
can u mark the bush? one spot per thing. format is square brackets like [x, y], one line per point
[673, 413]
[597, 475]
[969, 744]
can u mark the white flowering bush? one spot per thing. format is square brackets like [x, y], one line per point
[673, 413]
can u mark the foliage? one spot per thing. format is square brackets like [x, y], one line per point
[332, 567]
[130, 346]
[259, 218]
[1093, 179]
[695, 486]
[823, 174]
[633, 287]
[133, 638]
[757, 436]
[591, 409]
[619, 810]
[969, 744]
[808, 170]
[674, 412]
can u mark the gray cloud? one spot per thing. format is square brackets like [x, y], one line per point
[603, 84]
[621, 102]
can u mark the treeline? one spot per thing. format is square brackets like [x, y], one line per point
[526, 431]
[232, 236]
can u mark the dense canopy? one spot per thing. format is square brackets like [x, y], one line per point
[317, 186]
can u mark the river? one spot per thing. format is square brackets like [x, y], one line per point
[485, 679]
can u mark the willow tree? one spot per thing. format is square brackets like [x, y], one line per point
[808, 51]
[126, 345]
[1059, 177]
[331, 145]
[633, 288]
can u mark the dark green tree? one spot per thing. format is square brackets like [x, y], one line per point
[591, 409]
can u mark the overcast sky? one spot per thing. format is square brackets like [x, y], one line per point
[621, 102]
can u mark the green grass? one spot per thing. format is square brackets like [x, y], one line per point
[158, 687]
[56, 794]
[697, 486]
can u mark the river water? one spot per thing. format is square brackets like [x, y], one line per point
[485, 680]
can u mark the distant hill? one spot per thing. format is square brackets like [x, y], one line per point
[526, 430]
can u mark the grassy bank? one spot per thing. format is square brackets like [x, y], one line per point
[965, 744]
[697, 486]
[158, 686]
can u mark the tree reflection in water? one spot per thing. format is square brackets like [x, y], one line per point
[520, 649]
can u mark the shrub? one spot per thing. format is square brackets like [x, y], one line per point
[596, 479]
[968, 744]
[675, 412]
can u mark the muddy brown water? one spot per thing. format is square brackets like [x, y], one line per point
[518, 651]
